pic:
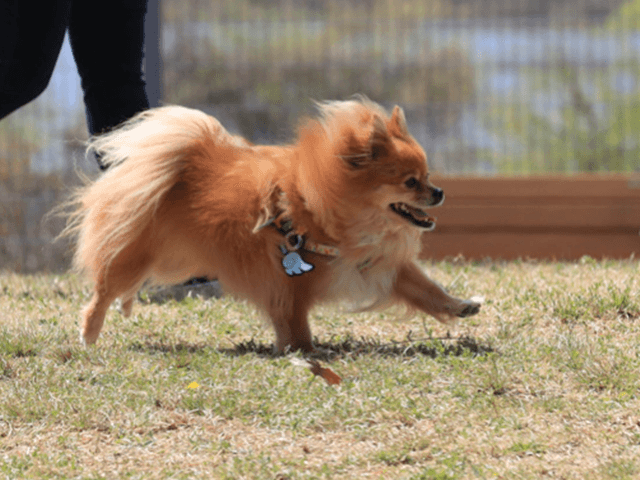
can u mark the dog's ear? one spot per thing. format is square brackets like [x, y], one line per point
[379, 142]
[361, 152]
[398, 122]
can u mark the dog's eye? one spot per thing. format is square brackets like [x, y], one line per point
[411, 183]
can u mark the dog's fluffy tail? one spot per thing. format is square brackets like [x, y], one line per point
[145, 157]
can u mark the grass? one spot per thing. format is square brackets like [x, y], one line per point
[543, 383]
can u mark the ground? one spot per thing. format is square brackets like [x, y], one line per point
[543, 383]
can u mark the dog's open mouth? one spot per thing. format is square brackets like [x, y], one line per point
[416, 216]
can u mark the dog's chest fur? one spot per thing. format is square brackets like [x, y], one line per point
[373, 284]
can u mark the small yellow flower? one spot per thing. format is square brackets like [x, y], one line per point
[193, 385]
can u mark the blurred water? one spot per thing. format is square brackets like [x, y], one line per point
[62, 102]
[64, 92]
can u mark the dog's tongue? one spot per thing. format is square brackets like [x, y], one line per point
[419, 213]
[416, 212]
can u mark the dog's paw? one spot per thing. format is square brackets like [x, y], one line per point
[87, 339]
[83, 340]
[469, 307]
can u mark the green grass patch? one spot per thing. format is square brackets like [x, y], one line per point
[543, 382]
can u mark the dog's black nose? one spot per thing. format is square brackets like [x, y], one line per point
[437, 195]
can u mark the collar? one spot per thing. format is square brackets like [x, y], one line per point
[295, 241]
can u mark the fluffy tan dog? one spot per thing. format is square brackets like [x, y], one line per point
[336, 215]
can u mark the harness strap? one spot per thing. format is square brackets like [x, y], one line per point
[299, 242]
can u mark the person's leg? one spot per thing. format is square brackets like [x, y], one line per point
[31, 35]
[8, 34]
[107, 39]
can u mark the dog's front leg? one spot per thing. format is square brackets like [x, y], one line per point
[413, 287]
[289, 317]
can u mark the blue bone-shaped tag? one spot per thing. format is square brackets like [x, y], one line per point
[293, 263]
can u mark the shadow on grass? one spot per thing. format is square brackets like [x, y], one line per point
[167, 347]
[334, 349]
[352, 347]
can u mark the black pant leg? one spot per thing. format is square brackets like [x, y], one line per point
[107, 39]
[31, 35]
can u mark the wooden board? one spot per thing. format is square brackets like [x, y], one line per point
[537, 217]
[509, 246]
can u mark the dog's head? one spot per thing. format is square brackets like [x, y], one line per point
[383, 164]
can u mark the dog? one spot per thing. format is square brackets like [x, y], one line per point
[337, 215]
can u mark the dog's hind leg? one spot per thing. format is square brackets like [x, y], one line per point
[93, 314]
[122, 278]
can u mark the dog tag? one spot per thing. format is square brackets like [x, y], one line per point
[293, 263]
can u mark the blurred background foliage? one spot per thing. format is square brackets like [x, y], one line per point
[489, 87]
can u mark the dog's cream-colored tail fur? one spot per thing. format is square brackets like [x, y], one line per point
[144, 158]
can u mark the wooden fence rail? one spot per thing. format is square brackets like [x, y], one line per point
[549, 217]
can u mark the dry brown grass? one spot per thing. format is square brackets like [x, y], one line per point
[544, 384]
